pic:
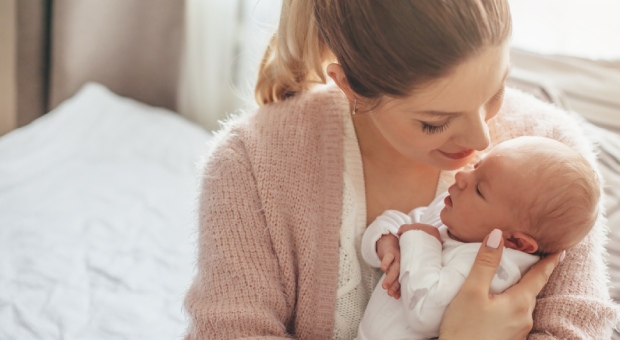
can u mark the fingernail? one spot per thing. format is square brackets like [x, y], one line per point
[494, 237]
[562, 256]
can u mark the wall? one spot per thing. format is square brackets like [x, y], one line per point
[8, 34]
[586, 29]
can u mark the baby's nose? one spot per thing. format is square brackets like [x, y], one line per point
[460, 180]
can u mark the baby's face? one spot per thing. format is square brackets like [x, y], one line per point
[484, 198]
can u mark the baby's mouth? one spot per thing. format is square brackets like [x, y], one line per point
[448, 201]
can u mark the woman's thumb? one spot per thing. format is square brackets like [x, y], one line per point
[487, 261]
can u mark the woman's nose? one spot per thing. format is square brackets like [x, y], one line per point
[479, 136]
[476, 136]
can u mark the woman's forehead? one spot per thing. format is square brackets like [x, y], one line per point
[468, 87]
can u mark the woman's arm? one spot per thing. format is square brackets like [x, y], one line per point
[576, 302]
[237, 291]
[476, 314]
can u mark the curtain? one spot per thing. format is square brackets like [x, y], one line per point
[130, 46]
[8, 42]
[224, 43]
[133, 47]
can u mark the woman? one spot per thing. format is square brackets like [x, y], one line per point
[289, 190]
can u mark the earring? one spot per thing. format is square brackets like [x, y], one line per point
[354, 107]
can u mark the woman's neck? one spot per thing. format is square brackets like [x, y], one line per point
[392, 181]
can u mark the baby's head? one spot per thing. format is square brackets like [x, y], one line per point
[541, 193]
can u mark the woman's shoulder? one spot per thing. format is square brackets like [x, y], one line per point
[522, 114]
[314, 109]
[300, 126]
[318, 107]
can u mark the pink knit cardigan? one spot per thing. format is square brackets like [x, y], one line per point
[270, 213]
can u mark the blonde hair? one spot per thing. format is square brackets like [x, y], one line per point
[384, 47]
[564, 206]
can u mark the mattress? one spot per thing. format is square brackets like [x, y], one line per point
[98, 220]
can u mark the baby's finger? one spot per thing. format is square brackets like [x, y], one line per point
[386, 261]
[394, 290]
[391, 275]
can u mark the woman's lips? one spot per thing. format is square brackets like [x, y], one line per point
[458, 155]
[447, 201]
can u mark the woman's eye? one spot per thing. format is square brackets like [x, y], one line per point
[430, 128]
[498, 95]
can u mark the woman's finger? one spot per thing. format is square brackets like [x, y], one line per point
[537, 277]
[486, 263]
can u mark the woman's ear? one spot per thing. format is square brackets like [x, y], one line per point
[336, 72]
[521, 241]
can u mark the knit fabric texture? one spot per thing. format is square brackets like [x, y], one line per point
[356, 279]
[270, 217]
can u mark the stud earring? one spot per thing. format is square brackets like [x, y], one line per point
[354, 107]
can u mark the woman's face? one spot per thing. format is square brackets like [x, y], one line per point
[444, 123]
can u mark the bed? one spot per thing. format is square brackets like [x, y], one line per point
[97, 220]
[98, 185]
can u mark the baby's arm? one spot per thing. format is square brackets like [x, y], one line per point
[380, 247]
[387, 223]
[427, 286]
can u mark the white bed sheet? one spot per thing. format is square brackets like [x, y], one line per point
[98, 221]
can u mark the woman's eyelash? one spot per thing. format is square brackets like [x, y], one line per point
[430, 129]
[498, 95]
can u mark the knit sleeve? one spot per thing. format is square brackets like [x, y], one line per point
[237, 291]
[575, 303]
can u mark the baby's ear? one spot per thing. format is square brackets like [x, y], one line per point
[521, 241]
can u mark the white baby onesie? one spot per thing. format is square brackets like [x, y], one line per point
[430, 277]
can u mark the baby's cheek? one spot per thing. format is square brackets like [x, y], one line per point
[446, 217]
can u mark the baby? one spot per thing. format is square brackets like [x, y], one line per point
[540, 193]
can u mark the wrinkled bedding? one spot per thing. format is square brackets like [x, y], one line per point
[97, 221]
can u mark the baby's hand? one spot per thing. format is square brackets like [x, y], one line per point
[429, 229]
[388, 251]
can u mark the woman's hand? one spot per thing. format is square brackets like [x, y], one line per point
[388, 251]
[476, 314]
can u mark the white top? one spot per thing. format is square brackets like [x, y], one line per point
[431, 275]
[357, 279]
